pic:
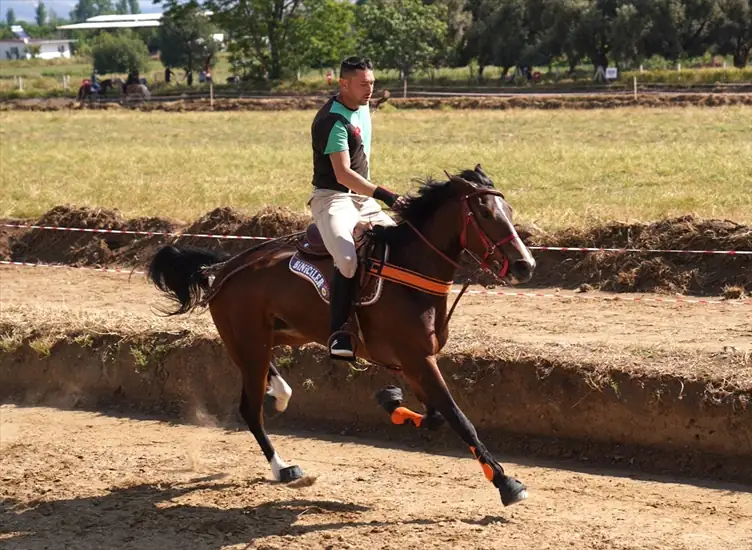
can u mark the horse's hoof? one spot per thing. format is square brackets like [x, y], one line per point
[291, 473]
[512, 491]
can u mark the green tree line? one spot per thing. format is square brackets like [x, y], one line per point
[279, 37]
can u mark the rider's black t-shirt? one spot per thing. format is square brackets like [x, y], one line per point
[337, 128]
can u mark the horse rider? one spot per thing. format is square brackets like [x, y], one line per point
[94, 84]
[133, 78]
[343, 194]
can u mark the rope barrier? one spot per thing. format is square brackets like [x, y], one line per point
[250, 238]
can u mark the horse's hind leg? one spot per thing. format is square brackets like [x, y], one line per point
[278, 393]
[251, 352]
[424, 376]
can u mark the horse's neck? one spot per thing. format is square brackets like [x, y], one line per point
[441, 231]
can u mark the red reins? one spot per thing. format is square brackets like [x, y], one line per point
[471, 221]
[490, 246]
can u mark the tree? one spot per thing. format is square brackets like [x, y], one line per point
[41, 14]
[119, 53]
[90, 8]
[10, 17]
[628, 31]
[458, 20]
[185, 37]
[557, 22]
[696, 23]
[121, 8]
[135, 6]
[402, 34]
[259, 30]
[322, 34]
[735, 30]
[500, 34]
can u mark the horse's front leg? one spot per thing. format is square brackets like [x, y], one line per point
[425, 378]
[390, 399]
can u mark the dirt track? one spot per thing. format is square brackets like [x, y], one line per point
[84, 480]
[481, 318]
[585, 100]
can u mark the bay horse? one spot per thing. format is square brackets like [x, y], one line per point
[274, 294]
[86, 91]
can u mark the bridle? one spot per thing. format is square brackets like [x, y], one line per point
[491, 247]
[470, 221]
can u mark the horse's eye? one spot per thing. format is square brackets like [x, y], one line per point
[485, 213]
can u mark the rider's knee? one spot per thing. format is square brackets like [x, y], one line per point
[348, 265]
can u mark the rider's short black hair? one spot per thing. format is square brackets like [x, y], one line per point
[354, 63]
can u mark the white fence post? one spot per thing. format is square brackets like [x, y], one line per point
[404, 88]
[20, 84]
[634, 81]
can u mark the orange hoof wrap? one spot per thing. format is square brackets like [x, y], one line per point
[487, 470]
[403, 414]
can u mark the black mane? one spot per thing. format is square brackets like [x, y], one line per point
[416, 207]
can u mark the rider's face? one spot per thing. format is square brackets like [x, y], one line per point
[359, 86]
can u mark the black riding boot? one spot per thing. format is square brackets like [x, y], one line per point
[342, 298]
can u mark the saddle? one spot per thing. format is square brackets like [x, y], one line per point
[311, 243]
[313, 262]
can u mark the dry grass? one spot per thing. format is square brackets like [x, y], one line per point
[558, 169]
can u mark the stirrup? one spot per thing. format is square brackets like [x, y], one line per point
[353, 343]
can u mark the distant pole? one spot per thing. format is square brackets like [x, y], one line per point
[20, 84]
[404, 88]
[211, 94]
[634, 81]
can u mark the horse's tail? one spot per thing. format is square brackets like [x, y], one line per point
[177, 271]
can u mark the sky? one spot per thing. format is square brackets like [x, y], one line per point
[25, 9]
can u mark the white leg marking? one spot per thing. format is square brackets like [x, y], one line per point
[281, 391]
[277, 465]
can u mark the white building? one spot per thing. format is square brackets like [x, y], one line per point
[126, 21]
[26, 48]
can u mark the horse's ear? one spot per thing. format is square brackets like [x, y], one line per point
[480, 170]
[461, 184]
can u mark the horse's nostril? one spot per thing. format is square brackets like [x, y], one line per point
[522, 269]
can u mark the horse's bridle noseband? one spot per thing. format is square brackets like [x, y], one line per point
[470, 220]
[486, 241]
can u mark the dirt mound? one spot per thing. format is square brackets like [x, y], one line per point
[632, 271]
[268, 222]
[76, 248]
[562, 101]
[617, 271]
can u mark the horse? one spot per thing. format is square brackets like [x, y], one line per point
[275, 294]
[86, 91]
[136, 90]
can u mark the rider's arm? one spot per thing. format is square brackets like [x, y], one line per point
[357, 183]
[337, 148]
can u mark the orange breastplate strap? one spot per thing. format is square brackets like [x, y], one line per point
[409, 278]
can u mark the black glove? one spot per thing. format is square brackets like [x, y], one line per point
[385, 196]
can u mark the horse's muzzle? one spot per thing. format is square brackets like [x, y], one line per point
[522, 270]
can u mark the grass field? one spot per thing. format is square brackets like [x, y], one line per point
[562, 168]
